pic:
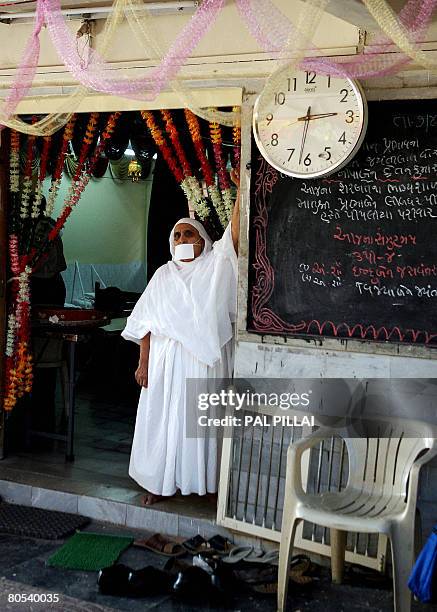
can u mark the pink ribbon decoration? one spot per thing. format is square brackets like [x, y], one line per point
[97, 74]
[27, 69]
[272, 29]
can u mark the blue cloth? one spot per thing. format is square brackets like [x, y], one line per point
[424, 573]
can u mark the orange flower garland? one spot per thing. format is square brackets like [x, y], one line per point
[214, 193]
[236, 136]
[162, 145]
[223, 177]
[18, 353]
[190, 185]
[57, 173]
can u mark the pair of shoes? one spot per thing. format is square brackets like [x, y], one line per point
[122, 580]
[206, 578]
[249, 554]
[197, 584]
[267, 584]
[162, 545]
[217, 545]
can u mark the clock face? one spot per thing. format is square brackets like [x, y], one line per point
[308, 124]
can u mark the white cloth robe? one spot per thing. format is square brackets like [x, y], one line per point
[163, 459]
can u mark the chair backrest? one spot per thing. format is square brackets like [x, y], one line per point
[382, 464]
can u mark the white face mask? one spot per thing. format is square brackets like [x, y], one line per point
[185, 251]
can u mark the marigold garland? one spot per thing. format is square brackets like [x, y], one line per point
[41, 176]
[162, 145]
[14, 162]
[19, 371]
[190, 185]
[57, 173]
[26, 188]
[213, 191]
[79, 186]
[236, 137]
[223, 177]
[84, 151]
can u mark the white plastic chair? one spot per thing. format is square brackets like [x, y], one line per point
[380, 497]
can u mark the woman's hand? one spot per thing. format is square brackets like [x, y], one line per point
[142, 374]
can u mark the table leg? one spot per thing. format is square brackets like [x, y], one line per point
[71, 401]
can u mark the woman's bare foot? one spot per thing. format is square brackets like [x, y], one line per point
[150, 498]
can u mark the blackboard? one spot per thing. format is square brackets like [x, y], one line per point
[353, 255]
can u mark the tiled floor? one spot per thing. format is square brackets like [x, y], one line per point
[104, 426]
[23, 561]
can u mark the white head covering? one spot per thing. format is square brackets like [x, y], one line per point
[202, 231]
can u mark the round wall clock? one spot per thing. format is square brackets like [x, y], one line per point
[308, 124]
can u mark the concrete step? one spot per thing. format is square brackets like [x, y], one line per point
[166, 517]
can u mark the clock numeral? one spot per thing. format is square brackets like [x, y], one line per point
[307, 160]
[342, 138]
[329, 80]
[291, 153]
[327, 154]
[344, 93]
[294, 79]
[269, 118]
[350, 116]
[274, 141]
[279, 97]
[310, 78]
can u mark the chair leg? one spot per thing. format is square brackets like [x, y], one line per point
[338, 551]
[285, 553]
[402, 551]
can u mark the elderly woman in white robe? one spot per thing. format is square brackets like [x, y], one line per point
[183, 324]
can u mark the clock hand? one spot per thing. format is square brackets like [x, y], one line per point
[318, 116]
[304, 135]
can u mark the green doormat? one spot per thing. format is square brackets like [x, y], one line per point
[89, 551]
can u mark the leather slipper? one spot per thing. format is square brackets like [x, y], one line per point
[160, 544]
[196, 544]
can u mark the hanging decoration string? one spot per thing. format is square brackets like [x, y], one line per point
[141, 24]
[26, 70]
[397, 32]
[274, 32]
[415, 18]
[270, 27]
[52, 123]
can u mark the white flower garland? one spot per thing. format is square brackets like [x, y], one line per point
[14, 171]
[197, 199]
[25, 197]
[10, 337]
[228, 202]
[53, 192]
[23, 285]
[216, 198]
[36, 201]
